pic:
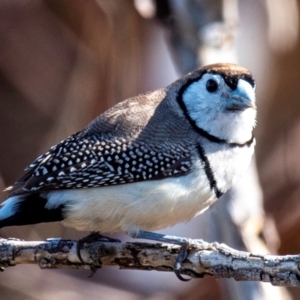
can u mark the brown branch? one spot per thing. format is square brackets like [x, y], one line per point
[214, 259]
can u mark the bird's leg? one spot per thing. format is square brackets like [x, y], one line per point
[185, 243]
[170, 239]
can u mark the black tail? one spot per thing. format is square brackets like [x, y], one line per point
[28, 209]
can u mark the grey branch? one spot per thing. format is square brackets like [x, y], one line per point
[213, 259]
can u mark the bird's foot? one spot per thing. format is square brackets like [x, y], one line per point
[182, 255]
[94, 236]
[185, 244]
[93, 271]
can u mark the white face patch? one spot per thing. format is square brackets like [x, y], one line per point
[208, 109]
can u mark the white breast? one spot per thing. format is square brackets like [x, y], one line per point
[148, 205]
[228, 164]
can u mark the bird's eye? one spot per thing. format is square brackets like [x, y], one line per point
[212, 85]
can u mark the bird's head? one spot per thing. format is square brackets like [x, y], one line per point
[220, 99]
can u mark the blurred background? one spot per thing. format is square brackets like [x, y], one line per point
[63, 62]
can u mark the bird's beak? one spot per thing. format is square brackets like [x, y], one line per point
[242, 97]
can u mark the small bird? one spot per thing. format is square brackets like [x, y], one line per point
[148, 162]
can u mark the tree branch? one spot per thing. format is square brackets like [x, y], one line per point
[214, 259]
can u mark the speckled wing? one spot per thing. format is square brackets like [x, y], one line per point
[132, 141]
[86, 163]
